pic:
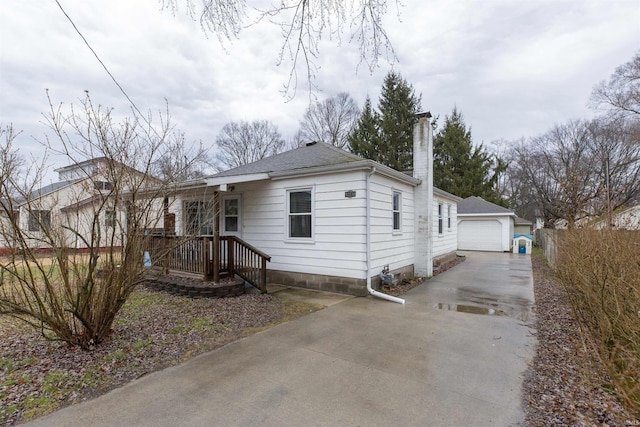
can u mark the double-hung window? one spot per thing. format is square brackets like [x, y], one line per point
[39, 220]
[231, 215]
[300, 213]
[439, 218]
[449, 217]
[397, 210]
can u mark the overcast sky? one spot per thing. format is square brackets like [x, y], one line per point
[514, 68]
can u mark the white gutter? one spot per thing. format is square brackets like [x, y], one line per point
[368, 249]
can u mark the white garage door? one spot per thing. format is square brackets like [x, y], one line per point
[482, 235]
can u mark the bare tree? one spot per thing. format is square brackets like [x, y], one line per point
[303, 24]
[560, 169]
[621, 94]
[182, 162]
[577, 170]
[330, 121]
[242, 142]
[90, 228]
[297, 140]
[615, 144]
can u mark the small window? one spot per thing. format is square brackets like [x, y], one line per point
[439, 218]
[231, 214]
[39, 220]
[110, 219]
[102, 185]
[300, 214]
[449, 217]
[397, 203]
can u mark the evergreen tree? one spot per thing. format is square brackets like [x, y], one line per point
[392, 142]
[459, 167]
[398, 107]
[364, 140]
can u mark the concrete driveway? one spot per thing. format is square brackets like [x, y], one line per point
[452, 356]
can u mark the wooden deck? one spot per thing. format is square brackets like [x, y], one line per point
[201, 257]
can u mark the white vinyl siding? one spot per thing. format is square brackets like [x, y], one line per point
[338, 228]
[447, 241]
[338, 246]
[387, 246]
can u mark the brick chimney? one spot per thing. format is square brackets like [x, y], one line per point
[423, 200]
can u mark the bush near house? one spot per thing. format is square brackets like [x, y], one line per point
[601, 271]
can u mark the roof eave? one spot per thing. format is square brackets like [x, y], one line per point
[488, 214]
[347, 166]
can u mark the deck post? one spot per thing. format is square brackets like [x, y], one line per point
[216, 237]
[263, 276]
[231, 262]
[205, 258]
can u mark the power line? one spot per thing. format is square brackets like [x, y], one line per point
[105, 67]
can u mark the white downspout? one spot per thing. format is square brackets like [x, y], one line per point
[368, 248]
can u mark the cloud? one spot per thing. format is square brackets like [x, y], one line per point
[513, 68]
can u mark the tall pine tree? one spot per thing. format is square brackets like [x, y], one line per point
[459, 167]
[364, 139]
[392, 143]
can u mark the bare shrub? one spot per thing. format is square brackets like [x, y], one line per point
[73, 250]
[601, 270]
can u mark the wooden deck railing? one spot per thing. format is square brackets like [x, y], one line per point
[195, 256]
[189, 255]
[246, 261]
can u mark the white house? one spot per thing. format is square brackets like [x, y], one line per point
[484, 226]
[624, 219]
[328, 219]
[64, 212]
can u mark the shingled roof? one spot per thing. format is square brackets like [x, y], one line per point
[309, 156]
[477, 205]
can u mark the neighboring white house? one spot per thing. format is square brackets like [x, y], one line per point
[328, 219]
[484, 226]
[64, 212]
[624, 219]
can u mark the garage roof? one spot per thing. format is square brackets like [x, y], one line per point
[477, 205]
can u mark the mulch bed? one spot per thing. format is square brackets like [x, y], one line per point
[565, 384]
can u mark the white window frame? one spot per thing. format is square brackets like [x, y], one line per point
[39, 220]
[205, 212]
[398, 212]
[440, 221]
[223, 216]
[449, 217]
[288, 214]
[110, 218]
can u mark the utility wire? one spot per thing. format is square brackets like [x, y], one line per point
[135, 107]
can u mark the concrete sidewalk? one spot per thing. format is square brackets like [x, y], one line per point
[364, 361]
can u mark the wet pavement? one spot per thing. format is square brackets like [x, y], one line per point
[453, 355]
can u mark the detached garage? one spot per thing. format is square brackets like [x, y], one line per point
[484, 226]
